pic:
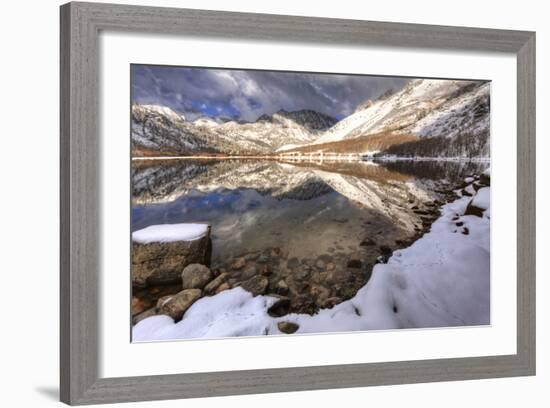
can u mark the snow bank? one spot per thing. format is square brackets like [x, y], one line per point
[442, 280]
[169, 233]
[482, 198]
[230, 313]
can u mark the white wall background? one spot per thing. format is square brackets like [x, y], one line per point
[29, 205]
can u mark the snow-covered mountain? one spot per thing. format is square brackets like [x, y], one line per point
[425, 117]
[160, 129]
[423, 109]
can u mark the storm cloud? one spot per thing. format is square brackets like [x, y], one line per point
[247, 94]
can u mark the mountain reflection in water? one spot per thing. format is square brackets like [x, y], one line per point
[307, 209]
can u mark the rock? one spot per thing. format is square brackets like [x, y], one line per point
[195, 276]
[303, 304]
[320, 264]
[367, 242]
[176, 305]
[238, 263]
[485, 180]
[144, 315]
[308, 262]
[223, 286]
[281, 287]
[276, 252]
[139, 305]
[302, 273]
[287, 327]
[292, 263]
[465, 231]
[263, 258]
[473, 210]
[320, 293]
[248, 272]
[330, 266]
[385, 250]
[354, 263]
[162, 262]
[330, 302]
[266, 270]
[252, 256]
[256, 285]
[280, 308]
[212, 287]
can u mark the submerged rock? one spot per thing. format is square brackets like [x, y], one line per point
[281, 287]
[248, 272]
[354, 263]
[238, 263]
[367, 242]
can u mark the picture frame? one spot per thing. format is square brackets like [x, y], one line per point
[80, 234]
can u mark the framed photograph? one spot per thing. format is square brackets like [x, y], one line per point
[261, 203]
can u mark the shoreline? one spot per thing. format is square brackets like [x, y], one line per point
[317, 158]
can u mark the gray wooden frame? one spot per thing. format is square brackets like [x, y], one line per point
[80, 233]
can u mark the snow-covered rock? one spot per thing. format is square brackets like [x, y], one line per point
[160, 252]
[170, 233]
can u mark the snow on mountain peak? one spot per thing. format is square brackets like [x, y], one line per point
[423, 108]
[163, 110]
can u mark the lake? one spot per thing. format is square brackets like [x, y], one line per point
[314, 228]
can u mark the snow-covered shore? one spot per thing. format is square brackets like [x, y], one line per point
[441, 280]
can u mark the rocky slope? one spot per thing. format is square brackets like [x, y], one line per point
[157, 129]
[451, 112]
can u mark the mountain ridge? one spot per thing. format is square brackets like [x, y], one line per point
[419, 113]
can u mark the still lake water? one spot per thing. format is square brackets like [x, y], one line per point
[304, 211]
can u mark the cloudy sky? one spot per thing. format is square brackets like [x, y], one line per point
[249, 94]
